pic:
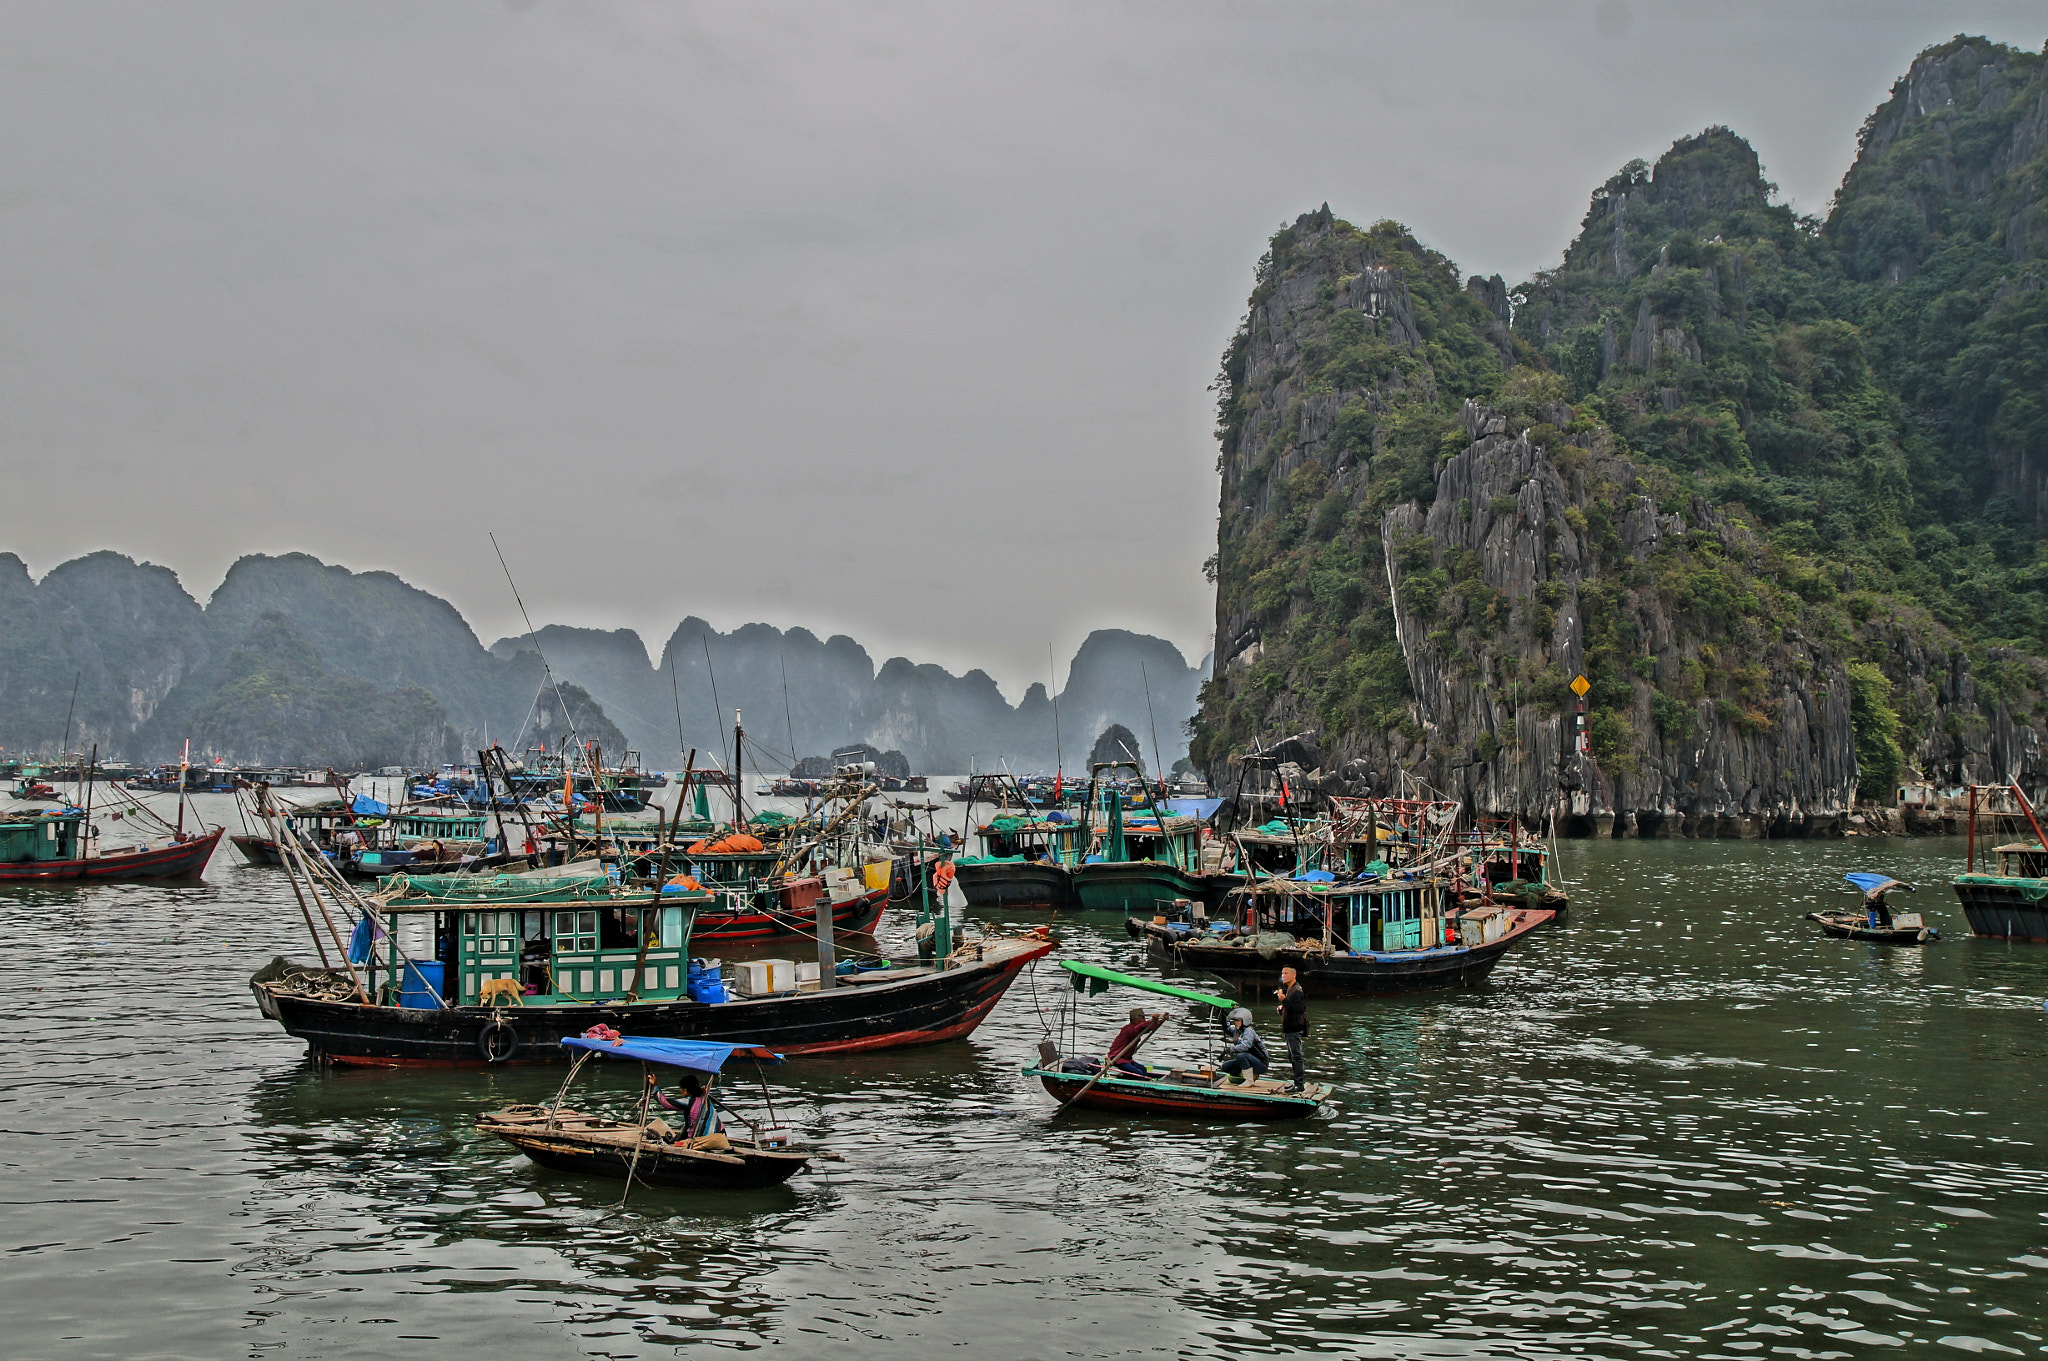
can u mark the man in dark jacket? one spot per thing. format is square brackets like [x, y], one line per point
[1293, 1011]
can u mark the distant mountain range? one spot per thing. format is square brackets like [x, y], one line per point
[295, 661]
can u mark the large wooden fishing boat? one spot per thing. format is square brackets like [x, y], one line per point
[916, 1002]
[2013, 903]
[1137, 864]
[1026, 856]
[648, 1149]
[1356, 939]
[1198, 1092]
[60, 845]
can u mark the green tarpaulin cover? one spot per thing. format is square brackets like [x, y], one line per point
[1096, 971]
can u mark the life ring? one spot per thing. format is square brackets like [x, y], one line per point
[498, 1040]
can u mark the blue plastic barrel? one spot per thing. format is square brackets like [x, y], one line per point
[706, 984]
[420, 984]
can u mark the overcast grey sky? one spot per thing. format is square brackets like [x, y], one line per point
[891, 319]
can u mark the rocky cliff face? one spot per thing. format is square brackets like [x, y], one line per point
[125, 633]
[1692, 464]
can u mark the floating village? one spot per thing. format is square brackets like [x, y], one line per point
[556, 909]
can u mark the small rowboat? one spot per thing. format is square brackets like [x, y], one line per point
[647, 1150]
[1199, 1093]
[1876, 922]
[1196, 1092]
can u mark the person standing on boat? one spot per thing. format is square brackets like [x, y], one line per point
[1125, 1045]
[1293, 1011]
[1244, 1051]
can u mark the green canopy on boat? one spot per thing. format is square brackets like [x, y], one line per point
[1096, 971]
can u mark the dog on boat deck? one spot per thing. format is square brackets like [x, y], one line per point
[501, 987]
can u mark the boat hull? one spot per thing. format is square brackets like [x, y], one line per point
[1388, 973]
[1133, 1096]
[257, 850]
[183, 860]
[2000, 908]
[1849, 926]
[873, 1013]
[1140, 887]
[1007, 884]
[742, 1168]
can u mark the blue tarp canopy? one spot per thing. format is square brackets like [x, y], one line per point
[702, 1056]
[1875, 883]
[1203, 809]
[370, 807]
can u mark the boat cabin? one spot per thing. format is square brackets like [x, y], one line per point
[1030, 838]
[45, 836]
[2022, 860]
[1281, 847]
[1365, 918]
[1498, 863]
[555, 952]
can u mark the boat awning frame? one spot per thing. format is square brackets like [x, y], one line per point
[1096, 971]
[701, 1056]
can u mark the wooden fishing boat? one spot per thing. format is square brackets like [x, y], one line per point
[1026, 858]
[1854, 926]
[58, 845]
[647, 1150]
[1194, 1092]
[1134, 865]
[909, 1004]
[1356, 939]
[2013, 903]
[1876, 921]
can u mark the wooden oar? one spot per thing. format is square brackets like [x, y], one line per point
[1104, 1070]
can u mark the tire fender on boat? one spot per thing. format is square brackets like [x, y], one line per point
[498, 1040]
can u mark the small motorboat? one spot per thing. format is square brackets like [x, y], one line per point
[648, 1149]
[1876, 922]
[1200, 1092]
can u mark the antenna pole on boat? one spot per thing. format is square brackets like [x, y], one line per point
[675, 689]
[786, 716]
[1053, 679]
[184, 769]
[1158, 764]
[91, 765]
[1970, 853]
[739, 808]
[64, 749]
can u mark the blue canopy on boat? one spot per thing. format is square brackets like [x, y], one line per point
[702, 1056]
[1874, 883]
[369, 807]
[1202, 809]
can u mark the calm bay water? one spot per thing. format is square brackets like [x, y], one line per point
[1683, 1125]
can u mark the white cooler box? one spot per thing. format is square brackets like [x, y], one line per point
[763, 977]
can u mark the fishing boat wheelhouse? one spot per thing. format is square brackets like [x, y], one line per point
[1402, 932]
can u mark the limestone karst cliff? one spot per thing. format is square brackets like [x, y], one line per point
[1764, 481]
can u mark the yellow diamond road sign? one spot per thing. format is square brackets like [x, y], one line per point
[1580, 686]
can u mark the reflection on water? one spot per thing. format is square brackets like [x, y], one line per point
[1683, 1125]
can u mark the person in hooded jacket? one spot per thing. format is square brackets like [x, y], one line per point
[1243, 1050]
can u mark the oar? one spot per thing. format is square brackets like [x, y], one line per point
[639, 1135]
[1104, 1070]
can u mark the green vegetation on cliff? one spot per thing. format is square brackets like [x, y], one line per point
[1764, 446]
